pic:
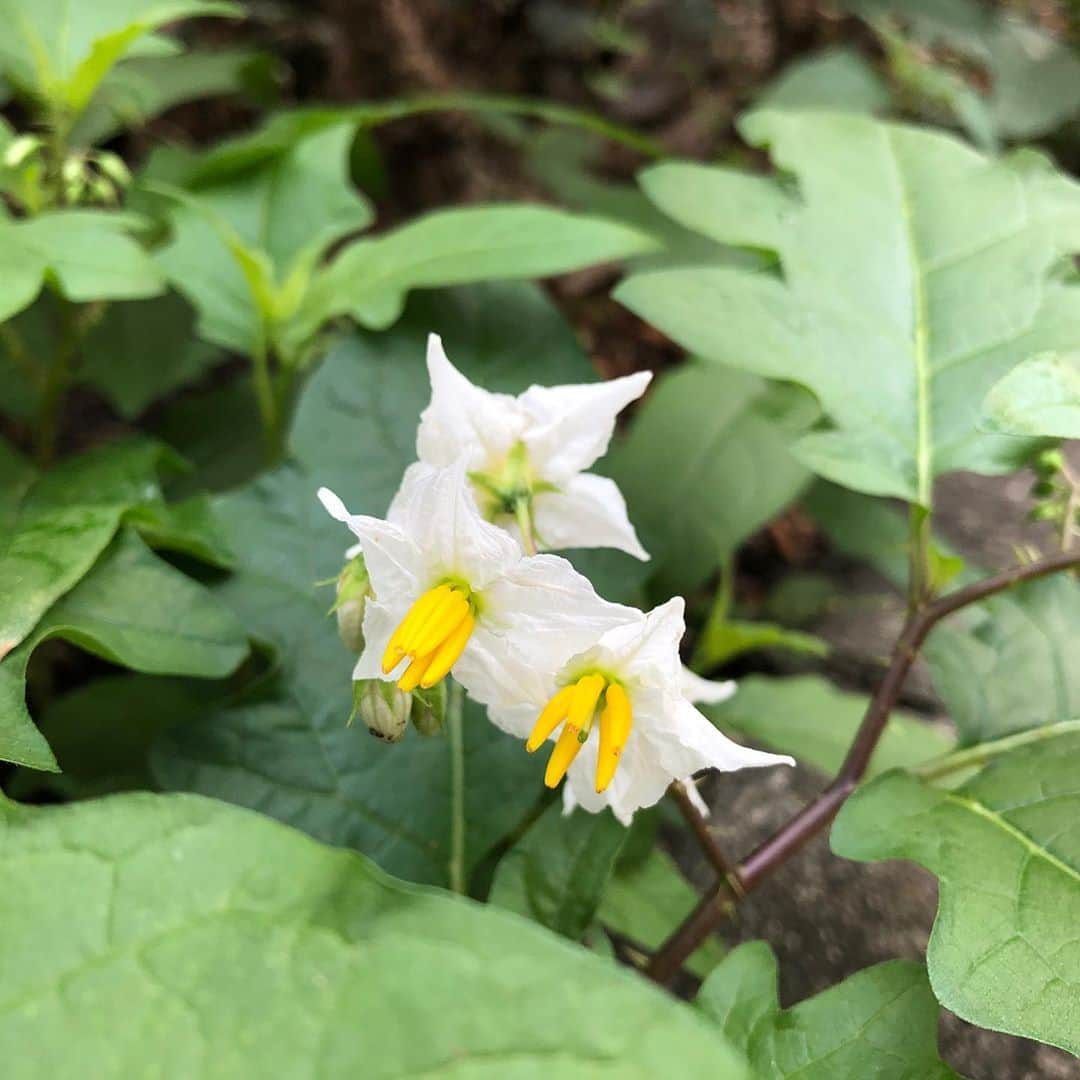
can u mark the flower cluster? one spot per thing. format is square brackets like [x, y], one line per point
[451, 580]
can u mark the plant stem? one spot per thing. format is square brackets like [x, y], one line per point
[705, 838]
[984, 752]
[920, 586]
[455, 727]
[523, 515]
[718, 614]
[16, 348]
[263, 386]
[814, 817]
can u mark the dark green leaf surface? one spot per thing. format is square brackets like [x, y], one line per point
[1005, 846]
[806, 716]
[134, 610]
[142, 923]
[705, 464]
[879, 1024]
[556, 873]
[915, 273]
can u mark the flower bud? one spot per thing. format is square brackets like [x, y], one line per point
[429, 709]
[1049, 462]
[353, 589]
[382, 707]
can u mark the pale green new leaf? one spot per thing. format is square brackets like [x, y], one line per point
[915, 272]
[706, 463]
[140, 925]
[134, 610]
[837, 78]
[1041, 396]
[1011, 664]
[61, 50]
[87, 254]
[806, 716]
[556, 873]
[1005, 846]
[880, 1022]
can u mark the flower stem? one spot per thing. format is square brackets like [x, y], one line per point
[523, 514]
[455, 729]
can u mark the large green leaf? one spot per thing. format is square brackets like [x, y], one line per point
[914, 273]
[134, 610]
[808, 717]
[286, 749]
[56, 524]
[176, 933]
[1041, 396]
[836, 78]
[1011, 664]
[60, 50]
[556, 873]
[87, 254]
[706, 463]
[880, 1022]
[1005, 949]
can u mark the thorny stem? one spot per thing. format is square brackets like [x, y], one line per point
[454, 724]
[814, 817]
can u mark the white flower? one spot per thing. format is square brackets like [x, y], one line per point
[529, 453]
[453, 591]
[630, 685]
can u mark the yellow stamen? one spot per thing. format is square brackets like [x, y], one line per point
[416, 617]
[615, 723]
[553, 714]
[566, 749]
[447, 655]
[583, 703]
[432, 635]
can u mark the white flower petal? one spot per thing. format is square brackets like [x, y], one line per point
[436, 507]
[380, 621]
[704, 691]
[587, 512]
[463, 420]
[571, 426]
[645, 648]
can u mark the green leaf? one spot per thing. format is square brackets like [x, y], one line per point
[556, 873]
[87, 254]
[808, 717]
[706, 464]
[182, 630]
[723, 641]
[915, 273]
[116, 362]
[1010, 664]
[285, 747]
[1004, 952]
[189, 526]
[1040, 396]
[60, 50]
[837, 78]
[56, 524]
[371, 278]
[880, 1022]
[144, 922]
[645, 901]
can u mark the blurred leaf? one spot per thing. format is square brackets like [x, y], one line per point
[836, 78]
[881, 1021]
[59, 51]
[556, 873]
[806, 716]
[1040, 396]
[86, 254]
[248, 950]
[182, 630]
[189, 526]
[645, 901]
[140, 88]
[285, 748]
[706, 463]
[1010, 664]
[371, 278]
[1004, 952]
[724, 640]
[915, 273]
[118, 360]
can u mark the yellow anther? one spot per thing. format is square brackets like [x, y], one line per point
[444, 619]
[553, 714]
[447, 655]
[566, 749]
[396, 647]
[410, 680]
[616, 720]
[583, 704]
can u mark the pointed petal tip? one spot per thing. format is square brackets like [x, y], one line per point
[333, 505]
